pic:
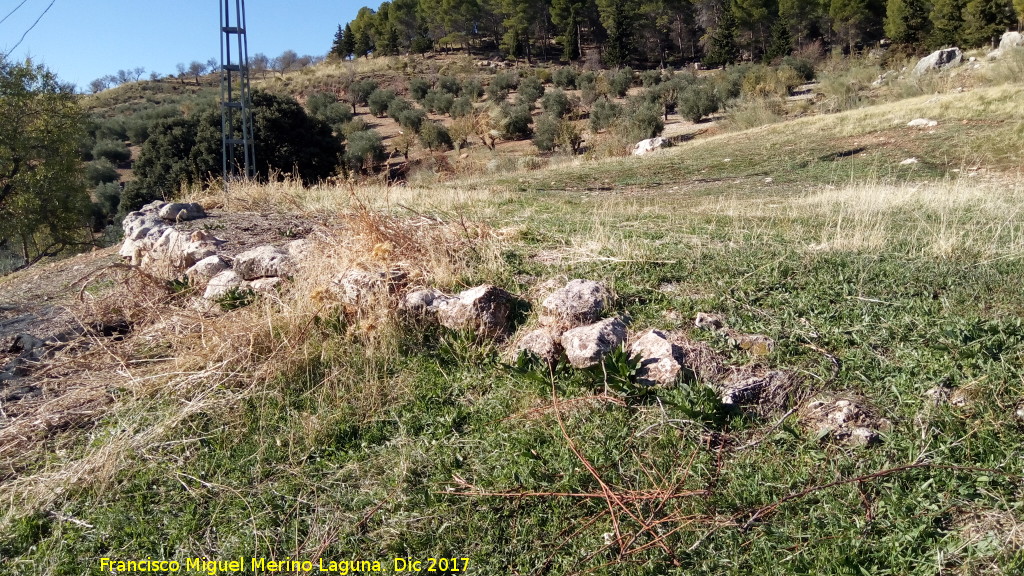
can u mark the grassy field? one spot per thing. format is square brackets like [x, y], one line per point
[295, 429]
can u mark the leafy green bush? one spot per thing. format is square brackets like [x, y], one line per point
[438, 102]
[620, 81]
[418, 88]
[379, 101]
[434, 136]
[501, 85]
[697, 101]
[100, 172]
[412, 119]
[603, 114]
[530, 90]
[515, 122]
[546, 133]
[365, 149]
[564, 77]
[642, 121]
[397, 107]
[803, 66]
[360, 90]
[325, 106]
[449, 85]
[649, 78]
[112, 150]
[472, 89]
[106, 200]
[353, 126]
[557, 103]
[461, 107]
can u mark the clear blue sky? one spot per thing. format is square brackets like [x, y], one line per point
[81, 40]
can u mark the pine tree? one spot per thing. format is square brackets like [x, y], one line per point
[617, 17]
[782, 42]
[906, 21]
[855, 20]
[338, 47]
[349, 44]
[754, 18]
[722, 50]
[947, 20]
[985, 21]
[571, 38]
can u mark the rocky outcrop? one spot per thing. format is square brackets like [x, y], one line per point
[922, 123]
[263, 262]
[181, 212]
[938, 60]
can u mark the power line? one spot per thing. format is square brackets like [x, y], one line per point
[30, 28]
[13, 11]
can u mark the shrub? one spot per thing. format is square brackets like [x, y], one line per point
[556, 103]
[365, 149]
[603, 114]
[100, 172]
[450, 85]
[353, 126]
[530, 90]
[472, 89]
[112, 150]
[803, 66]
[397, 107]
[564, 77]
[758, 112]
[325, 106]
[544, 75]
[697, 101]
[546, 133]
[461, 107]
[112, 129]
[434, 136]
[643, 121]
[412, 119]
[418, 88]
[516, 122]
[438, 102]
[501, 85]
[379, 101]
[460, 131]
[104, 207]
[650, 78]
[620, 81]
[360, 90]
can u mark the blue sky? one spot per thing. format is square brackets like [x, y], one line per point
[81, 40]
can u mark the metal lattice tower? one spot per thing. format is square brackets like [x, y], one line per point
[236, 106]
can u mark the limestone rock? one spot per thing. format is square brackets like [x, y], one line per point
[180, 212]
[541, 343]
[577, 303]
[938, 60]
[650, 145]
[423, 301]
[922, 123]
[485, 310]
[1010, 40]
[202, 271]
[709, 321]
[661, 362]
[223, 283]
[265, 285]
[587, 345]
[358, 286]
[263, 261]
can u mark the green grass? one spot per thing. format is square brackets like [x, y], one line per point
[907, 277]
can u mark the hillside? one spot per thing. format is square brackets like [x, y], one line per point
[845, 322]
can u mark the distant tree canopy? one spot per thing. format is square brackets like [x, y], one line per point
[187, 151]
[653, 31]
[43, 201]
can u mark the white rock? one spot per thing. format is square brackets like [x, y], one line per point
[180, 212]
[908, 161]
[485, 310]
[587, 345]
[578, 302]
[938, 60]
[542, 344]
[202, 271]
[265, 285]
[661, 362]
[1011, 40]
[650, 145]
[423, 301]
[922, 123]
[263, 261]
[223, 283]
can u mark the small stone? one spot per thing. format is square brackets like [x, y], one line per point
[922, 123]
[223, 283]
[423, 301]
[263, 261]
[542, 344]
[908, 162]
[709, 321]
[577, 303]
[587, 345]
[265, 285]
[753, 344]
[486, 310]
[661, 362]
[202, 271]
[861, 436]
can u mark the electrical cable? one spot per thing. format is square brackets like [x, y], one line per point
[13, 11]
[30, 29]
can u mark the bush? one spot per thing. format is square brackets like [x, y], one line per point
[450, 85]
[360, 90]
[107, 198]
[564, 78]
[546, 133]
[397, 107]
[697, 101]
[516, 122]
[435, 137]
[412, 119]
[758, 112]
[472, 89]
[603, 114]
[353, 126]
[642, 122]
[365, 149]
[325, 106]
[438, 102]
[100, 172]
[114, 151]
[803, 66]
[650, 78]
[379, 101]
[556, 103]
[620, 81]
[418, 88]
[501, 85]
[461, 107]
[530, 90]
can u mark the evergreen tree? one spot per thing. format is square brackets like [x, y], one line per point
[754, 18]
[985, 21]
[722, 50]
[947, 20]
[348, 45]
[338, 47]
[782, 42]
[856, 21]
[618, 17]
[906, 21]
[570, 39]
